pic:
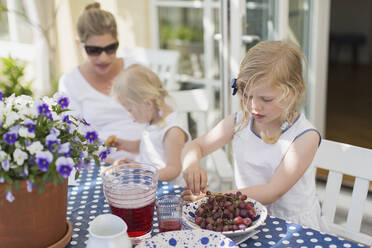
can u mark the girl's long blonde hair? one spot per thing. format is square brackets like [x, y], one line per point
[278, 63]
[136, 84]
[95, 21]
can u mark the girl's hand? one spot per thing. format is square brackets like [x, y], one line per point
[196, 178]
[111, 141]
[188, 196]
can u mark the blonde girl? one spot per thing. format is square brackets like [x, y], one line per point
[273, 144]
[142, 93]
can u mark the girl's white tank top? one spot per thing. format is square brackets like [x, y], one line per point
[256, 161]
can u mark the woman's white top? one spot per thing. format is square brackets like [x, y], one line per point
[256, 162]
[103, 112]
[152, 147]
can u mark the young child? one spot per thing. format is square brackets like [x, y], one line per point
[273, 144]
[141, 92]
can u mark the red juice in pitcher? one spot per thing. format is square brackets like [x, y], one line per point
[130, 190]
[139, 220]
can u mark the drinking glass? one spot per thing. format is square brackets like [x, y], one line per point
[169, 212]
[130, 190]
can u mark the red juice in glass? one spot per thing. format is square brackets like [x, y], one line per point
[169, 212]
[139, 220]
[169, 225]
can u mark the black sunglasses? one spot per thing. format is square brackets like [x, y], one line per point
[97, 50]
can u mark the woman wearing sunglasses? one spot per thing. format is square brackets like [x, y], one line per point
[88, 85]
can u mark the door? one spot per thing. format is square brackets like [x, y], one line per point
[306, 22]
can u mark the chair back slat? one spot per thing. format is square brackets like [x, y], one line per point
[163, 62]
[343, 159]
[355, 214]
[331, 194]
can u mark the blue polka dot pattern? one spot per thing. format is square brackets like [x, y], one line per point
[86, 201]
[204, 240]
[173, 242]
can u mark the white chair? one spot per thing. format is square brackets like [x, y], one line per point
[163, 62]
[195, 102]
[343, 159]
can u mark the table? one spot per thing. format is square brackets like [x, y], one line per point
[86, 201]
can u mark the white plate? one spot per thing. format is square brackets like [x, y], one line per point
[188, 238]
[188, 216]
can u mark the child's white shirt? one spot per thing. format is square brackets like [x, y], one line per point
[151, 146]
[256, 161]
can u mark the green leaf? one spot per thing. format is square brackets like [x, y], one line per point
[97, 161]
[41, 189]
[8, 179]
[17, 185]
[77, 174]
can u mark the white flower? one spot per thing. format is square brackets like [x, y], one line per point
[11, 117]
[55, 116]
[18, 144]
[19, 156]
[3, 156]
[22, 101]
[23, 132]
[2, 108]
[28, 111]
[35, 147]
[50, 101]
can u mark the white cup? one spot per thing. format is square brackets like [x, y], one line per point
[108, 231]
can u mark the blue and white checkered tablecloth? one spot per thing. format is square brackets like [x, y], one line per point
[86, 201]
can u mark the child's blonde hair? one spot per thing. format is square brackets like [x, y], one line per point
[278, 63]
[95, 21]
[136, 84]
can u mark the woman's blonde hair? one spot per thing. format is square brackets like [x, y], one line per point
[95, 21]
[136, 84]
[280, 64]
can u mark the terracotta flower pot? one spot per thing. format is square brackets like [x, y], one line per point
[33, 220]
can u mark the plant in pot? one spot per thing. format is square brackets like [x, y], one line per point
[41, 143]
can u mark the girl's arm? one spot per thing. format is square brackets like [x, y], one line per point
[220, 135]
[131, 146]
[174, 141]
[293, 166]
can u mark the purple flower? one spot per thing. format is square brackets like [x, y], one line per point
[64, 166]
[5, 164]
[43, 160]
[43, 108]
[63, 102]
[85, 122]
[25, 171]
[2, 179]
[104, 153]
[91, 136]
[9, 196]
[1, 95]
[30, 186]
[83, 164]
[52, 142]
[54, 131]
[10, 137]
[66, 118]
[83, 155]
[31, 125]
[65, 149]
